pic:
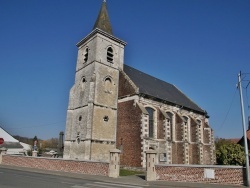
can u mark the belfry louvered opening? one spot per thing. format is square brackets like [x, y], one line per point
[110, 55]
[86, 55]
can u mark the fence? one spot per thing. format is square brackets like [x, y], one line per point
[233, 175]
[218, 174]
[59, 164]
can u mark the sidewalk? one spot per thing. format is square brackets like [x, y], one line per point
[134, 180]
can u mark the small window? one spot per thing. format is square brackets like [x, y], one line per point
[83, 80]
[106, 118]
[80, 118]
[86, 55]
[110, 55]
[78, 137]
[83, 83]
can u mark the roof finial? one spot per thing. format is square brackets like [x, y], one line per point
[104, 1]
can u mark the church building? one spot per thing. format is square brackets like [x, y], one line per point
[113, 105]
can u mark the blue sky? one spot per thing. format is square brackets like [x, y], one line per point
[200, 46]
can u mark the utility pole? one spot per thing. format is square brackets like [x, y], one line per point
[244, 130]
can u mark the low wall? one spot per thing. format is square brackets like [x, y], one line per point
[201, 173]
[58, 164]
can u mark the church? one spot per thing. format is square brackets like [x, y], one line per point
[114, 106]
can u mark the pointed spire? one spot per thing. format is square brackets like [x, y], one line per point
[102, 21]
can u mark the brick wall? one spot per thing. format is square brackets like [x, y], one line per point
[196, 173]
[54, 164]
[194, 154]
[207, 154]
[129, 134]
[206, 136]
[178, 153]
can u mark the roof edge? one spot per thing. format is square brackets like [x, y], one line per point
[173, 104]
[96, 31]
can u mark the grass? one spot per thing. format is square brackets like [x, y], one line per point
[125, 172]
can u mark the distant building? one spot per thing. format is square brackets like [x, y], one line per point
[241, 140]
[112, 105]
[13, 146]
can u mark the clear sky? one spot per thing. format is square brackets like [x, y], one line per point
[200, 46]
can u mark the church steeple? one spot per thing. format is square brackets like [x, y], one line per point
[102, 21]
[92, 112]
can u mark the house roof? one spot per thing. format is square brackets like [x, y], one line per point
[160, 89]
[11, 145]
[6, 136]
[102, 21]
[9, 141]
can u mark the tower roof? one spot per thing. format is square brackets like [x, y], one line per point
[102, 21]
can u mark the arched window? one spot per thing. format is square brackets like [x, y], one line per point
[108, 85]
[200, 130]
[150, 122]
[170, 115]
[86, 55]
[199, 122]
[185, 119]
[110, 55]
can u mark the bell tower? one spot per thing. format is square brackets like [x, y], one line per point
[92, 110]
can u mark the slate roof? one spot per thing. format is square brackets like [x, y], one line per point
[102, 21]
[160, 89]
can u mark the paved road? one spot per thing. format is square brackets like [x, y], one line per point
[10, 178]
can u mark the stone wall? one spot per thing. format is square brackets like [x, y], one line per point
[55, 164]
[233, 175]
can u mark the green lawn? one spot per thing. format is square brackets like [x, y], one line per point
[125, 172]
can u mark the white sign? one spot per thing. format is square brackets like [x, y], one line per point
[209, 173]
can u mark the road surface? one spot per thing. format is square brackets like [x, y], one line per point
[10, 178]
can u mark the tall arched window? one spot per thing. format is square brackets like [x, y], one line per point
[200, 136]
[170, 115]
[199, 122]
[108, 85]
[150, 122]
[185, 119]
[110, 55]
